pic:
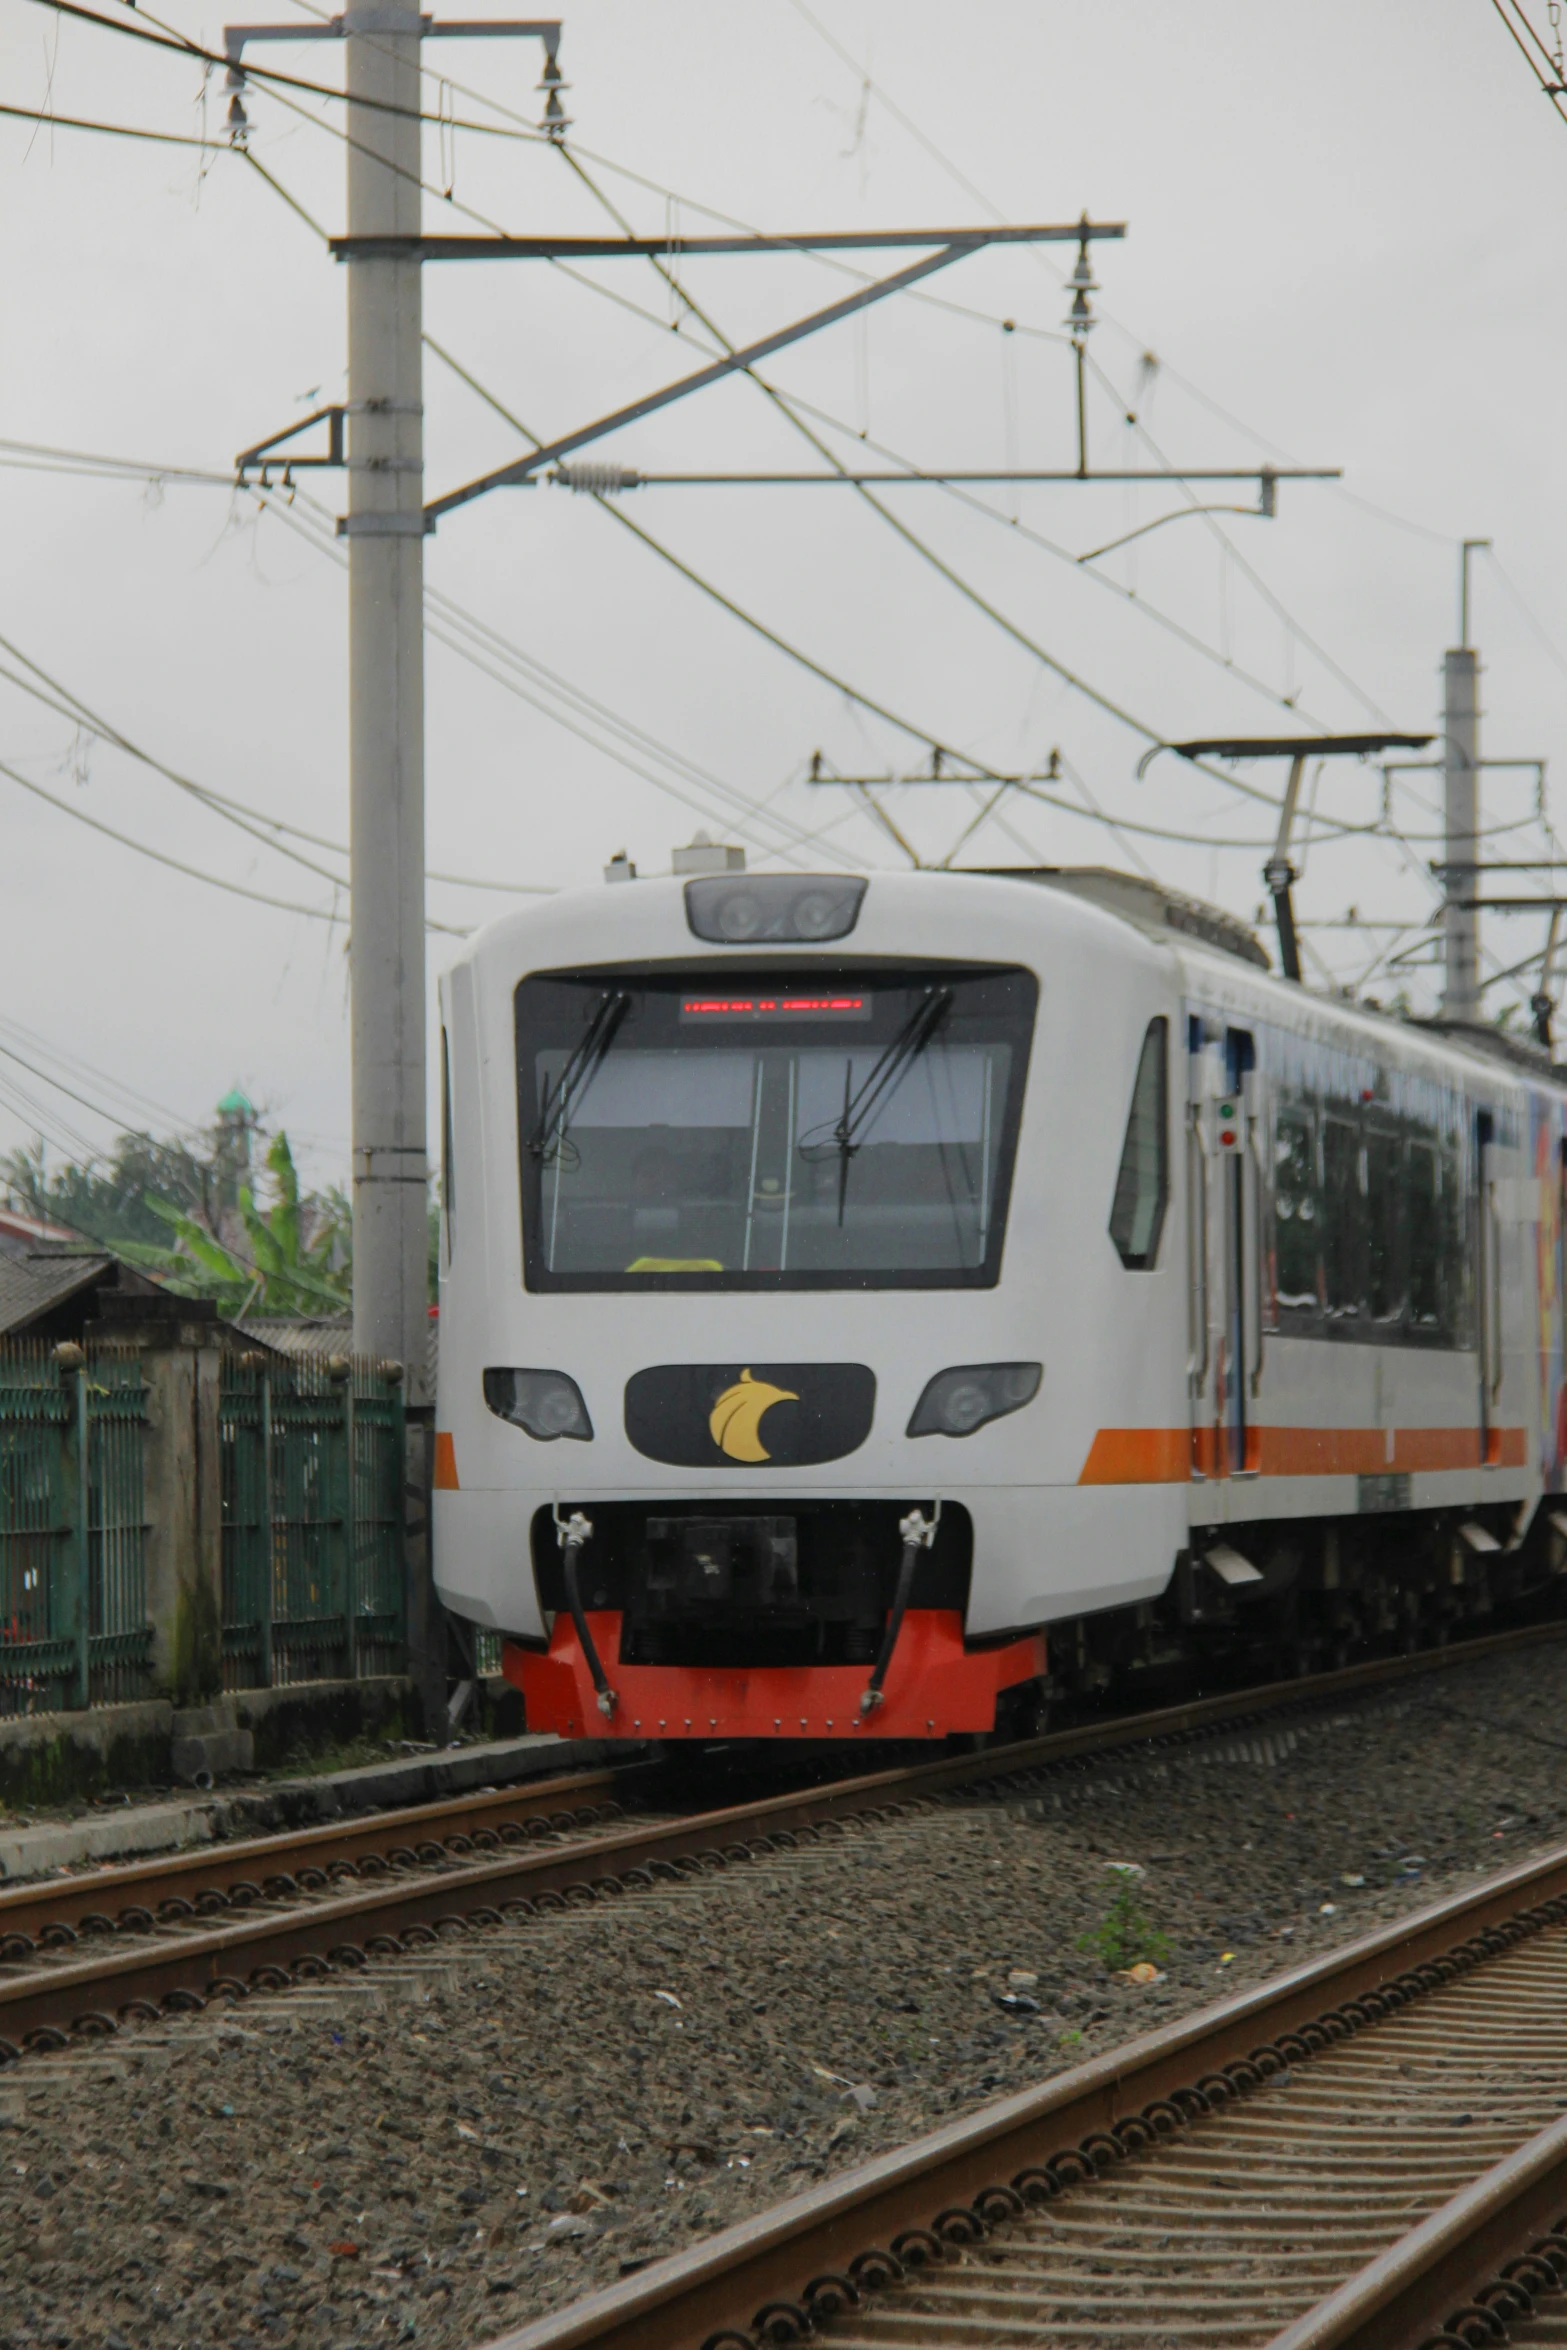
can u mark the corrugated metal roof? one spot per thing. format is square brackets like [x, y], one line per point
[30, 1285]
[19, 1234]
[312, 1338]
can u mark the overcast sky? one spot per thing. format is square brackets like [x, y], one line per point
[1343, 248]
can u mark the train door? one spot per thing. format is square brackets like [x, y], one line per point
[1223, 1191]
[1487, 1258]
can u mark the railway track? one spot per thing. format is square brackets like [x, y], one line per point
[82, 1957]
[1367, 2153]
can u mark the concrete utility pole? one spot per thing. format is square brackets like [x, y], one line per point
[385, 530]
[1461, 779]
[385, 527]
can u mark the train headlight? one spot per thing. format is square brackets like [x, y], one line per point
[545, 1403]
[957, 1402]
[730, 911]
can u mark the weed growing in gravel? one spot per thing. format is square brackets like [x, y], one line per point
[1124, 1937]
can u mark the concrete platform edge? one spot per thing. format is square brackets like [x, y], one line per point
[136, 1830]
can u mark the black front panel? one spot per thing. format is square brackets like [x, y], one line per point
[778, 1582]
[749, 1415]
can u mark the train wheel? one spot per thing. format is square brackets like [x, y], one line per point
[1022, 1712]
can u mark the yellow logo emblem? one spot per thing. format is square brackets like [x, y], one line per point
[736, 1421]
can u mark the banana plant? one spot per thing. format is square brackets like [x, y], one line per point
[280, 1274]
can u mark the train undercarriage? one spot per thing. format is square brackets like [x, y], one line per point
[834, 1619]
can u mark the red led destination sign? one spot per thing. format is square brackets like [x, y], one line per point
[775, 1007]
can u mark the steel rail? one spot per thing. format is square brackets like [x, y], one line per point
[1497, 2249]
[820, 2263]
[572, 1801]
[288, 1929]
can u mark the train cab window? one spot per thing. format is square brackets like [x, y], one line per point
[1343, 1219]
[1142, 1183]
[1295, 1207]
[724, 1127]
[1383, 1173]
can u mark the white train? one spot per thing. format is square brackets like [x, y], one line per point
[867, 1305]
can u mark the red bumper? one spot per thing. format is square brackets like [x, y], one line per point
[934, 1685]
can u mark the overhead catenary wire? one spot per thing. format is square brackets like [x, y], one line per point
[49, 1124]
[1529, 618]
[997, 213]
[783, 403]
[256, 822]
[1174, 476]
[911, 538]
[178, 44]
[1122, 824]
[110, 130]
[1227, 780]
[236, 889]
[964, 587]
[72, 707]
[181, 45]
[9, 1053]
[474, 642]
[1545, 75]
[139, 1106]
[959, 494]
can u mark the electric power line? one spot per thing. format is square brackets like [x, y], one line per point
[555, 698]
[111, 130]
[178, 44]
[255, 822]
[143, 848]
[140, 1106]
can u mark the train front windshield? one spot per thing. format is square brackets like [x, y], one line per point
[807, 1128]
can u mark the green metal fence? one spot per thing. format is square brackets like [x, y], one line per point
[313, 1574]
[73, 1535]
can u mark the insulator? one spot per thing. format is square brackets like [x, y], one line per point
[597, 480]
[1082, 317]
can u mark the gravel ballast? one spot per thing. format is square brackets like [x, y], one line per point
[434, 2151]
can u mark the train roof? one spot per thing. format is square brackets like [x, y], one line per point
[1151, 906]
[1197, 933]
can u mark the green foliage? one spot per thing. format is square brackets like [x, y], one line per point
[187, 1213]
[112, 1202]
[1124, 1937]
[279, 1273]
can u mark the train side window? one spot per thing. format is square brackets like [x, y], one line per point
[448, 1196]
[1142, 1183]
[1295, 1207]
[1384, 1201]
[1424, 1225]
[1343, 1220]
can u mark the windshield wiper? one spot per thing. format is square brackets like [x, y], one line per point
[882, 1080]
[561, 1100]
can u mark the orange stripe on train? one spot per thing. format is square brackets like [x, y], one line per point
[445, 1463]
[1169, 1456]
[1139, 1456]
